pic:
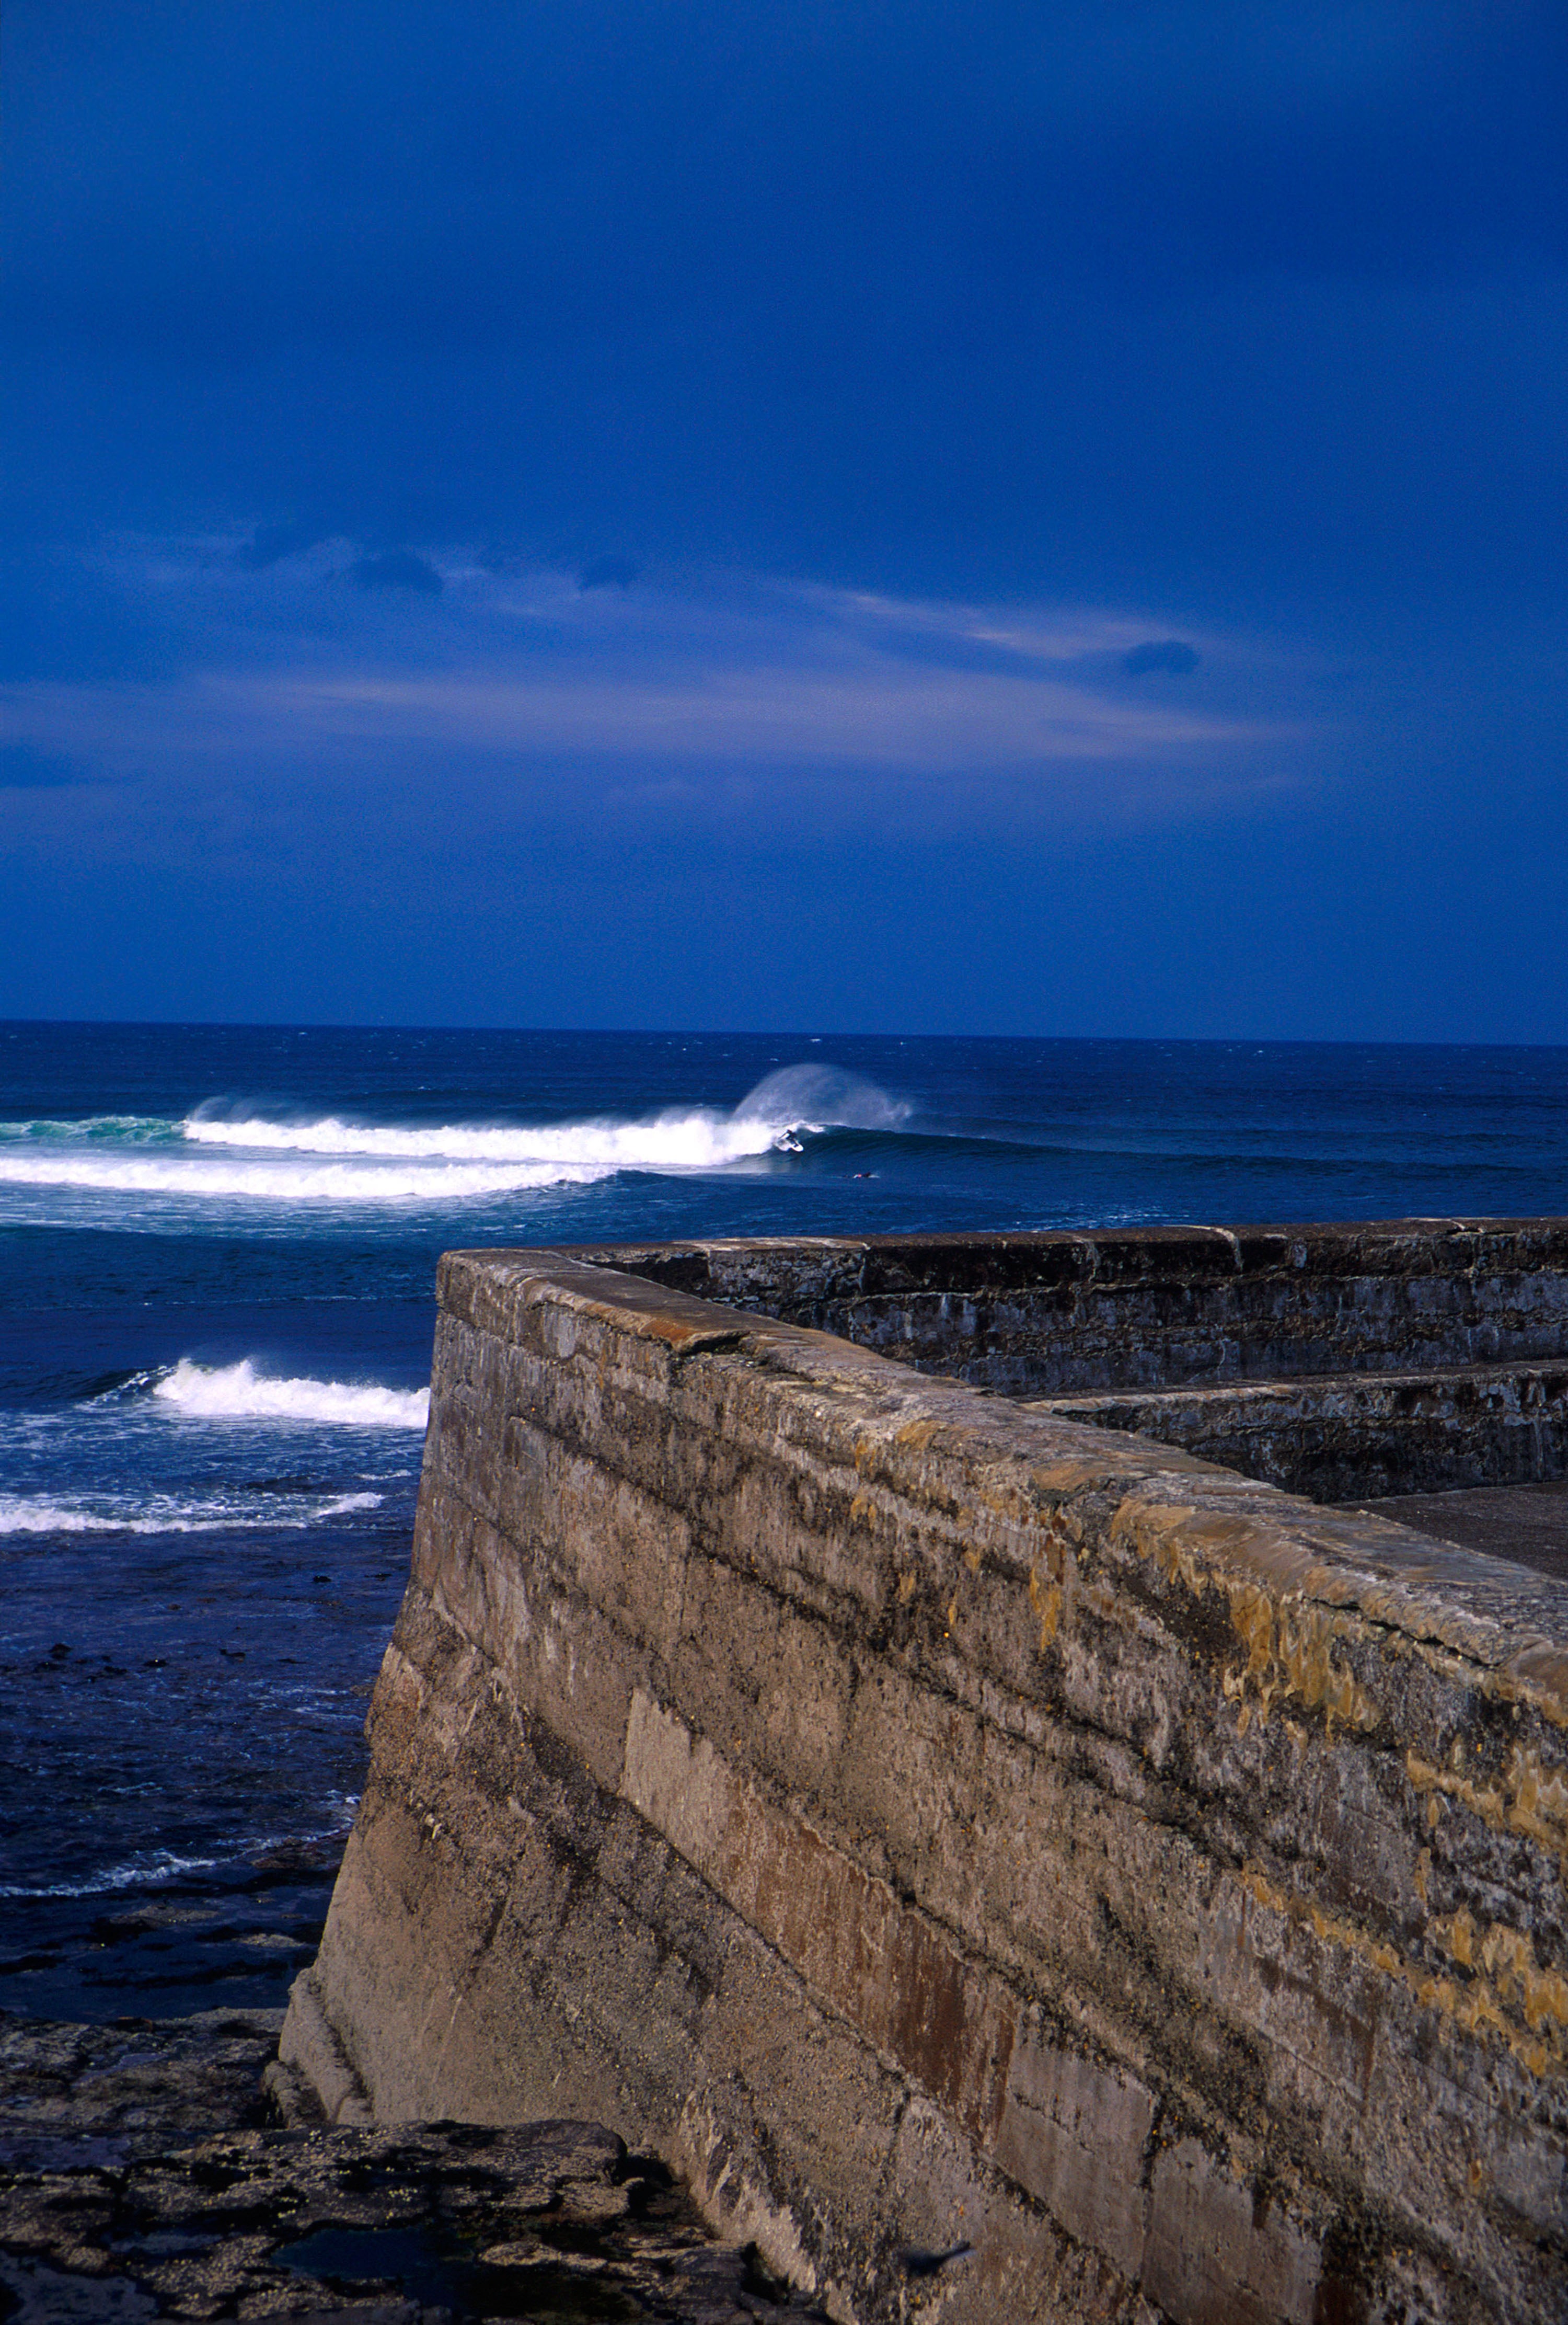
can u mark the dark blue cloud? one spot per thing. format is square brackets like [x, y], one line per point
[938, 298]
[1172, 654]
[23, 767]
[397, 568]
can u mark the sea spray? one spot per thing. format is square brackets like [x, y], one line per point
[239, 1393]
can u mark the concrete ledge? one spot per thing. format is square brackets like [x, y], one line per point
[939, 1823]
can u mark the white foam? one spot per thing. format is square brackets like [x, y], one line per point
[24, 1514]
[162, 1865]
[293, 1182]
[238, 1392]
[697, 1140]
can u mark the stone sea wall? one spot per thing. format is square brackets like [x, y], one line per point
[1345, 1362]
[1014, 1868]
[1055, 1314]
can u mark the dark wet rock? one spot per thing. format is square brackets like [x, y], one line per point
[105, 2093]
[140, 2179]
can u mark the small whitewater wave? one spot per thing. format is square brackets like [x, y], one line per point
[25, 1514]
[153, 1868]
[148, 1872]
[239, 1393]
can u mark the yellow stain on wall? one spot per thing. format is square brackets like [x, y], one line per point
[1505, 1973]
[1525, 1797]
[1289, 1653]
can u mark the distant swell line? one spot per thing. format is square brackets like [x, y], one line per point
[673, 1141]
[210, 1155]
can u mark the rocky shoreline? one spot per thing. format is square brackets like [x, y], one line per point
[148, 2170]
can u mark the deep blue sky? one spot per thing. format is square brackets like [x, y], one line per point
[1043, 518]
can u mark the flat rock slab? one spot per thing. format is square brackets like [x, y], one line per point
[1526, 1524]
[120, 2203]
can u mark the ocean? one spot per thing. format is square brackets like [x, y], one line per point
[216, 1252]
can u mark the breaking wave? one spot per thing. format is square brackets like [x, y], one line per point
[215, 1153]
[239, 1393]
[286, 1183]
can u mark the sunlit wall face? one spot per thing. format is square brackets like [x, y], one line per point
[1005, 519]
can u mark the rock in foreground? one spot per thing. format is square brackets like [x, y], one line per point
[133, 2186]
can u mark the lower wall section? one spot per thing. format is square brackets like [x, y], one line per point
[546, 1951]
[1012, 1868]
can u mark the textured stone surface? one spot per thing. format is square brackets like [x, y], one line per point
[70, 2092]
[1051, 1314]
[935, 1824]
[1526, 1522]
[1346, 1363]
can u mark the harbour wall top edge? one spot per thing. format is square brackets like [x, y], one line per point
[1046, 1312]
[1509, 1622]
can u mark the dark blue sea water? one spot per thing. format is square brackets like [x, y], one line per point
[217, 1250]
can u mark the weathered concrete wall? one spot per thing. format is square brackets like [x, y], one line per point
[1046, 1315]
[937, 1822]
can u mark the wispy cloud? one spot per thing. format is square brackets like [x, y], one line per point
[659, 691]
[920, 721]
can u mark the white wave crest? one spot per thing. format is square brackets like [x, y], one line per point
[160, 1865]
[239, 1393]
[210, 1155]
[697, 1140]
[365, 1182]
[22, 1514]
